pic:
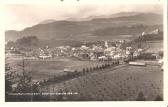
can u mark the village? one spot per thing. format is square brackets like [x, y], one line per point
[86, 52]
[98, 51]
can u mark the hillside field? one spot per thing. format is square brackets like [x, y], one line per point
[122, 83]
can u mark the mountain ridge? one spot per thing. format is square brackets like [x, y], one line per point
[66, 29]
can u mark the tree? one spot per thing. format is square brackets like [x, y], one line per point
[140, 97]
[60, 96]
[25, 79]
[160, 54]
[9, 44]
[87, 70]
[9, 81]
[76, 71]
[91, 69]
[25, 84]
[158, 98]
[28, 41]
[94, 68]
[84, 70]
[97, 67]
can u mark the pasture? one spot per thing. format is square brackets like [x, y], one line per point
[118, 83]
[44, 69]
[122, 83]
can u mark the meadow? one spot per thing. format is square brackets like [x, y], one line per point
[115, 83]
[121, 83]
[44, 69]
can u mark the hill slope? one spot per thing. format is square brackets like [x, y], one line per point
[91, 30]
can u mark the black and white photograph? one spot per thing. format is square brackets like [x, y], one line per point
[84, 52]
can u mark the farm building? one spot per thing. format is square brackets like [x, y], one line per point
[68, 70]
[137, 63]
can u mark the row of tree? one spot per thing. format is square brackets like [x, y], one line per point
[24, 83]
[75, 74]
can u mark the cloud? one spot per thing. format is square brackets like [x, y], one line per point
[20, 16]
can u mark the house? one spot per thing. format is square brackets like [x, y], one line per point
[92, 57]
[136, 54]
[44, 56]
[129, 50]
[102, 58]
[160, 61]
[156, 55]
[156, 31]
[140, 50]
[98, 54]
[14, 86]
[110, 51]
[106, 44]
[117, 56]
[83, 47]
[68, 70]
[144, 33]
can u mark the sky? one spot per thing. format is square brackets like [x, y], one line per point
[19, 16]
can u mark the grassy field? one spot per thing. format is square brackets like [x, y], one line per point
[46, 69]
[43, 69]
[122, 83]
[119, 83]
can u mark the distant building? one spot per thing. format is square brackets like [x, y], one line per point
[110, 51]
[129, 50]
[106, 44]
[68, 70]
[92, 57]
[136, 54]
[137, 63]
[98, 54]
[44, 56]
[83, 47]
[144, 33]
[156, 31]
[103, 58]
[140, 50]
